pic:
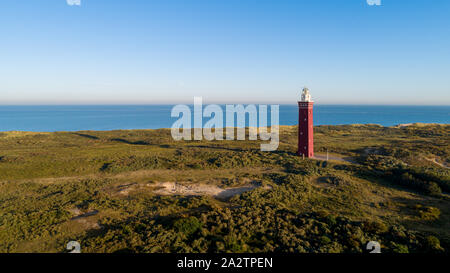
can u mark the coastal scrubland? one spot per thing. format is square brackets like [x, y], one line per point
[141, 191]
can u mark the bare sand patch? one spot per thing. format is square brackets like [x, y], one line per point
[84, 215]
[173, 188]
[85, 219]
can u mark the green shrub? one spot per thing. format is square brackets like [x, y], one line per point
[375, 227]
[428, 213]
[187, 226]
[399, 248]
[325, 240]
[434, 244]
[433, 189]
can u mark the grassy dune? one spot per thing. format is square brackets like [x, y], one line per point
[103, 189]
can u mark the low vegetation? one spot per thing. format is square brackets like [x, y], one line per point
[100, 188]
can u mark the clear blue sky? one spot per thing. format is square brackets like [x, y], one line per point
[254, 51]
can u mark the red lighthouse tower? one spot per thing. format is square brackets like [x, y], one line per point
[305, 125]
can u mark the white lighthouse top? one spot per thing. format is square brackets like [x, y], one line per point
[306, 96]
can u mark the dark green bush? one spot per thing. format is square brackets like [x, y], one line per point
[187, 226]
[434, 244]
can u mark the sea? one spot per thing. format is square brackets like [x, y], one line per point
[51, 118]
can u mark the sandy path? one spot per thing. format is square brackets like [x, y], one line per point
[433, 160]
[335, 158]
